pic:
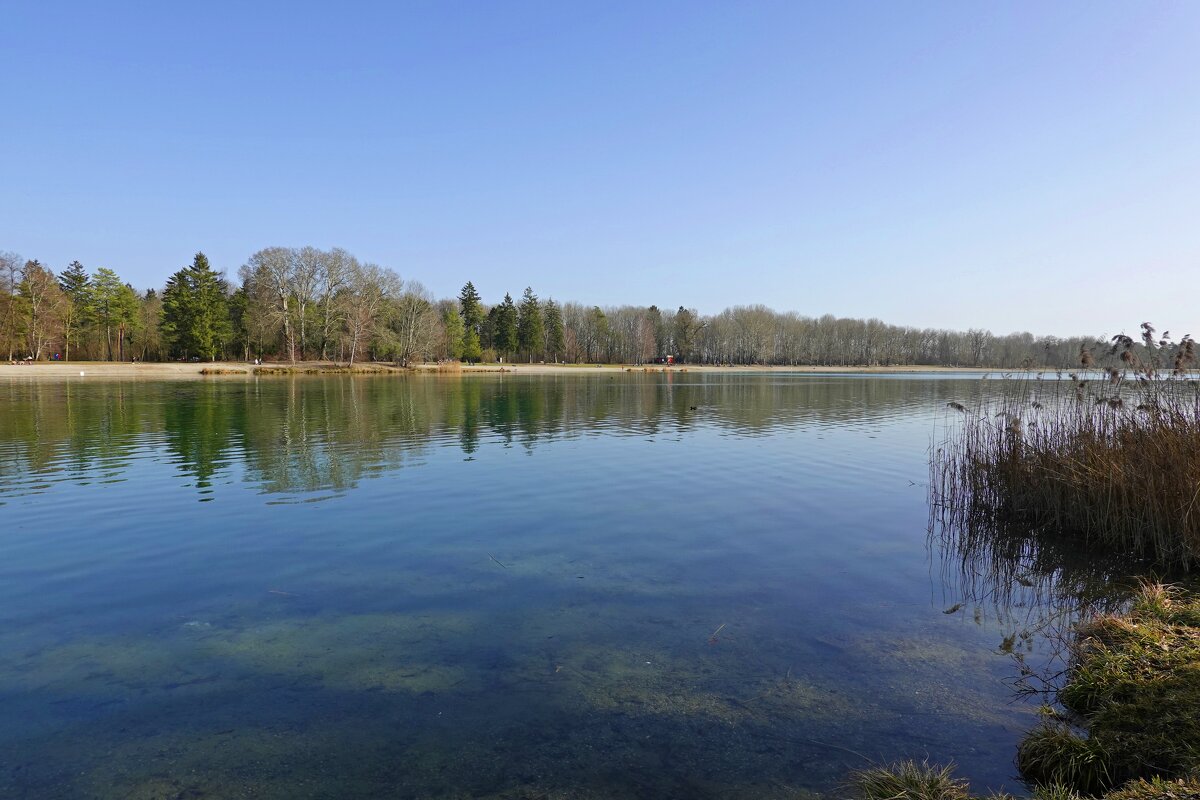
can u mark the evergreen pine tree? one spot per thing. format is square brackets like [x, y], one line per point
[654, 316]
[506, 327]
[177, 302]
[531, 329]
[491, 324]
[212, 328]
[686, 327]
[75, 283]
[556, 340]
[195, 315]
[472, 351]
[470, 306]
[471, 310]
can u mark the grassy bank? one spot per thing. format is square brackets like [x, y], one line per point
[1131, 702]
[908, 780]
[1127, 725]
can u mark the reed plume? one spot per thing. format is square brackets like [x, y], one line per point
[1115, 468]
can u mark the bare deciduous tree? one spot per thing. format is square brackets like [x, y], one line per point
[338, 264]
[267, 277]
[45, 305]
[11, 304]
[369, 288]
[415, 323]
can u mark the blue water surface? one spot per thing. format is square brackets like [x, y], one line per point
[625, 585]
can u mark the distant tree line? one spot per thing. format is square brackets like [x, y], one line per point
[296, 304]
[291, 304]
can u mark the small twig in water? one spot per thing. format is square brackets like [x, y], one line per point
[817, 742]
[498, 561]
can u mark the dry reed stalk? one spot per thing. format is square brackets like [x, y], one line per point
[1117, 471]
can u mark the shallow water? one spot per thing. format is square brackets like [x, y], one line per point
[493, 586]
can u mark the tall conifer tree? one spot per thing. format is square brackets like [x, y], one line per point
[531, 328]
[195, 315]
[556, 340]
[76, 284]
[471, 310]
[506, 327]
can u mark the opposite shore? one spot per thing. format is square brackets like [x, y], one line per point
[168, 370]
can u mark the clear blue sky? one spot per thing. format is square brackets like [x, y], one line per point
[961, 164]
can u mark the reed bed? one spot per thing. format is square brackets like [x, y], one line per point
[1106, 461]
[368, 369]
[360, 369]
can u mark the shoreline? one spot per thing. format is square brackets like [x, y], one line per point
[43, 370]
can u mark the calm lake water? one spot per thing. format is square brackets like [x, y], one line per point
[495, 586]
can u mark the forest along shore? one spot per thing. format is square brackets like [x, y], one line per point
[166, 370]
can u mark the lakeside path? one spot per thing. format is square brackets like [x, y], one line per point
[232, 369]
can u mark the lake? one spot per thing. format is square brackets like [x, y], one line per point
[628, 585]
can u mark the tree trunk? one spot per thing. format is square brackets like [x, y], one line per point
[288, 339]
[303, 333]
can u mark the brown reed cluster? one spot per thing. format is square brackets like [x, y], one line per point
[1106, 460]
[1151, 361]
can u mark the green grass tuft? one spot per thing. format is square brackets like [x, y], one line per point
[908, 780]
[1055, 791]
[1134, 682]
[1055, 757]
[1157, 789]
